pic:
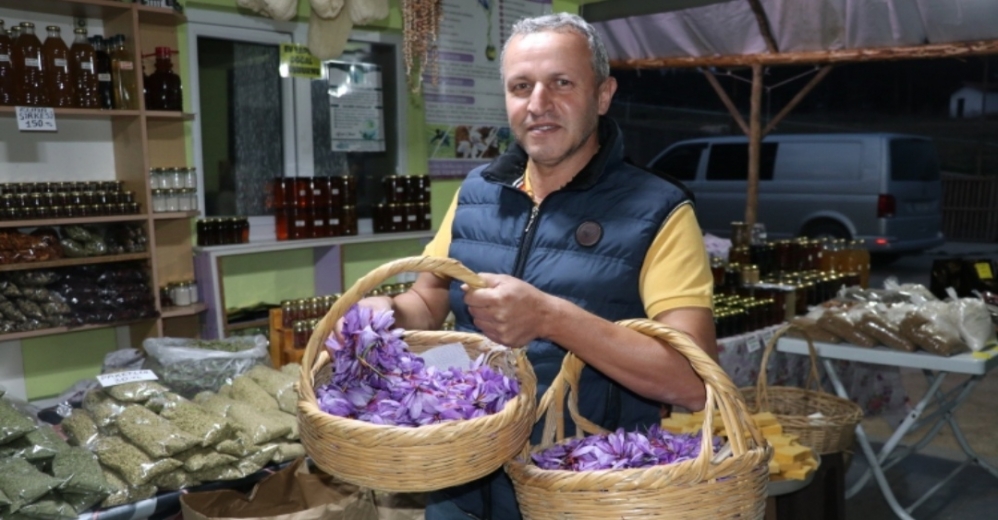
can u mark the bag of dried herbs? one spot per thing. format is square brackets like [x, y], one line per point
[80, 428]
[81, 471]
[137, 392]
[164, 401]
[247, 390]
[191, 418]
[135, 467]
[122, 493]
[241, 445]
[23, 483]
[190, 366]
[261, 425]
[103, 410]
[175, 480]
[287, 451]
[279, 385]
[13, 423]
[50, 507]
[41, 444]
[155, 435]
[81, 502]
[199, 459]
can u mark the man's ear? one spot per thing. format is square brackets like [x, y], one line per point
[606, 91]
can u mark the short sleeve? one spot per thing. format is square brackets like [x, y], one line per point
[440, 245]
[676, 270]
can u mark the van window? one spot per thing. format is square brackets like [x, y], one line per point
[819, 160]
[729, 162]
[681, 162]
[913, 160]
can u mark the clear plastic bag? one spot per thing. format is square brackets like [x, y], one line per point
[187, 367]
[809, 326]
[134, 466]
[261, 425]
[246, 390]
[122, 493]
[80, 428]
[82, 502]
[13, 423]
[155, 435]
[288, 451]
[176, 480]
[23, 483]
[81, 471]
[974, 323]
[871, 324]
[200, 459]
[49, 508]
[41, 444]
[137, 392]
[279, 385]
[211, 429]
[936, 337]
[839, 323]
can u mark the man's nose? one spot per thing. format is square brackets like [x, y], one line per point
[540, 99]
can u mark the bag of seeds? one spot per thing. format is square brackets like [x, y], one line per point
[81, 471]
[164, 401]
[199, 459]
[13, 423]
[279, 385]
[175, 480]
[190, 366]
[246, 390]
[211, 429]
[137, 392]
[291, 369]
[49, 508]
[257, 461]
[214, 403]
[41, 444]
[23, 483]
[241, 445]
[80, 428]
[82, 502]
[122, 493]
[155, 435]
[261, 425]
[103, 410]
[133, 464]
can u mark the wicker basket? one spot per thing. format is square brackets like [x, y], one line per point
[731, 484]
[404, 459]
[832, 433]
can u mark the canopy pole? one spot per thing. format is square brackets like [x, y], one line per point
[726, 100]
[755, 146]
[797, 98]
[764, 27]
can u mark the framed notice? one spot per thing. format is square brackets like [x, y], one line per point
[356, 111]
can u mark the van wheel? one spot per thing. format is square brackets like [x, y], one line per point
[826, 229]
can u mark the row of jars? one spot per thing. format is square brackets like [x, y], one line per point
[171, 200]
[85, 210]
[173, 178]
[734, 315]
[312, 192]
[395, 218]
[316, 307]
[179, 294]
[805, 254]
[405, 189]
[222, 231]
[61, 187]
[303, 223]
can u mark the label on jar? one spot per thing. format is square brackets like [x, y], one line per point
[400, 189]
[120, 378]
[334, 222]
[428, 216]
[60, 62]
[299, 223]
[86, 65]
[104, 76]
[4, 58]
[33, 62]
[397, 218]
[302, 193]
[318, 223]
[336, 191]
[126, 65]
[411, 218]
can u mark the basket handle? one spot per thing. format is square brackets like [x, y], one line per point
[445, 266]
[762, 382]
[721, 392]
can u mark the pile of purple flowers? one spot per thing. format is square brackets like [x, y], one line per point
[393, 387]
[622, 450]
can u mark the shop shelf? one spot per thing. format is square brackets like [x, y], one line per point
[167, 115]
[159, 15]
[70, 221]
[76, 8]
[67, 262]
[62, 330]
[263, 322]
[78, 113]
[176, 215]
[184, 310]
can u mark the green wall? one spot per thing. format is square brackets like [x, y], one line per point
[52, 364]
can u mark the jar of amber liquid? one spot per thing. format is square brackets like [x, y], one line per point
[349, 220]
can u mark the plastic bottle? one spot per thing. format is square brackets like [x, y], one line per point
[123, 75]
[105, 85]
[27, 58]
[163, 88]
[83, 65]
[6, 68]
[58, 81]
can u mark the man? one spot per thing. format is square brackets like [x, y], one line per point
[569, 239]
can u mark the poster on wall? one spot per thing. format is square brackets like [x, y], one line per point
[356, 112]
[466, 110]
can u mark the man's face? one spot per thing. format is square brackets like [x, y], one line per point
[552, 99]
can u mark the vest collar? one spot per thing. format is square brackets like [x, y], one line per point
[509, 166]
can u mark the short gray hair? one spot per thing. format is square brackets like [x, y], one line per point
[565, 22]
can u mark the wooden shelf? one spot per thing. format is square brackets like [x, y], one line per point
[78, 113]
[62, 330]
[263, 246]
[67, 262]
[166, 114]
[176, 215]
[77, 8]
[70, 221]
[263, 322]
[159, 15]
[184, 310]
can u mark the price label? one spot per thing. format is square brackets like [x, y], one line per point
[36, 119]
[753, 343]
[767, 335]
[120, 378]
[984, 270]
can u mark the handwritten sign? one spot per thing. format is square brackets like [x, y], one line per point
[36, 119]
[298, 62]
[120, 378]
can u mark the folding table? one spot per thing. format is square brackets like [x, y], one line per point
[941, 407]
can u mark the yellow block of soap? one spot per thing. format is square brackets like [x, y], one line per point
[774, 468]
[783, 439]
[790, 454]
[764, 419]
[770, 430]
[797, 473]
[673, 425]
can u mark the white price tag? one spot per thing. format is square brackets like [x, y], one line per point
[766, 336]
[36, 119]
[753, 343]
[120, 378]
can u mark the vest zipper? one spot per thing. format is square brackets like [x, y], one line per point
[528, 238]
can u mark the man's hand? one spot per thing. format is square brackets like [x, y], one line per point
[509, 311]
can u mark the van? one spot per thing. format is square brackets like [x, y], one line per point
[884, 189]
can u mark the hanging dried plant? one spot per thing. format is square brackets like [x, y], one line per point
[421, 25]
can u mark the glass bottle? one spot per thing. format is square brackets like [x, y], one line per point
[27, 58]
[102, 64]
[123, 75]
[83, 68]
[58, 80]
[861, 256]
[163, 89]
[6, 68]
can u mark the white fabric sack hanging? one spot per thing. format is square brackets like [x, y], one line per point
[253, 5]
[363, 12]
[277, 9]
[328, 38]
[327, 9]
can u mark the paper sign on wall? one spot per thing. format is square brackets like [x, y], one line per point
[36, 119]
[298, 62]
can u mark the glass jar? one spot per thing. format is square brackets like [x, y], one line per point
[192, 287]
[233, 231]
[349, 221]
[427, 215]
[184, 199]
[194, 199]
[134, 208]
[172, 200]
[191, 178]
[244, 229]
[156, 178]
[97, 210]
[121, 208]
[176, 178]
[202, 232]
[394, 189]
[158, 201]
[127, 197]
[410, 211]
[287, 313]
[181, 295]
[349, 187]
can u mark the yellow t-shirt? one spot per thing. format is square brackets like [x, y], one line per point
[675, 272]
